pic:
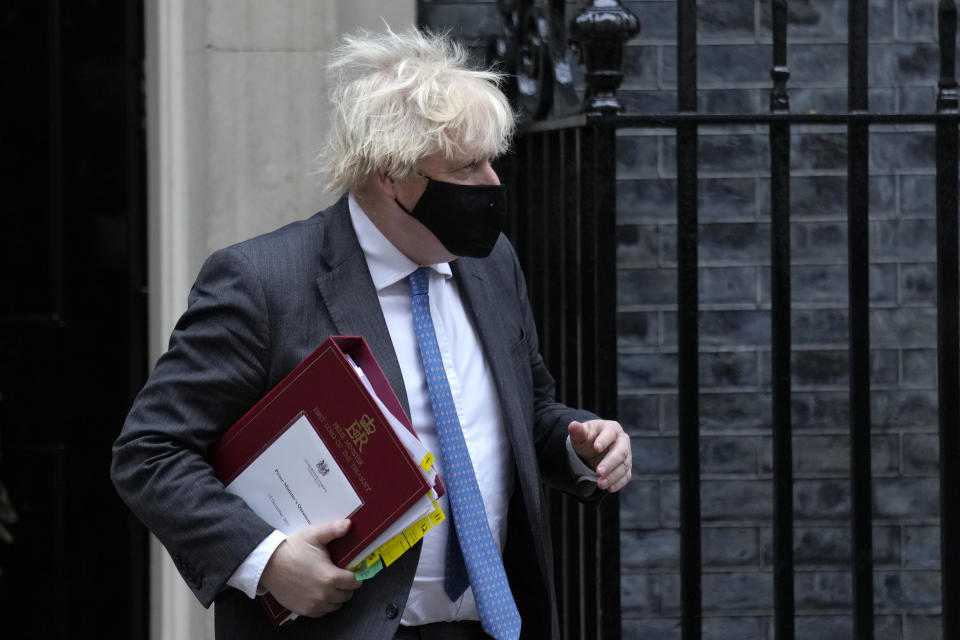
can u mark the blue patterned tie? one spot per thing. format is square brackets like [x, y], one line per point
[498, 612]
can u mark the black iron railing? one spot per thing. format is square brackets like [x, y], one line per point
[563, 176]
[563, 241]
[948, 326]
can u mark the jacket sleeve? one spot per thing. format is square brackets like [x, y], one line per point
[214, 370]
[550, 418]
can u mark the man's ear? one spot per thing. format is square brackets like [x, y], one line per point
[387, 184]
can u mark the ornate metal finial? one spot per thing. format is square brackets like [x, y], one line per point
[502, 48]
[601, 29]
[779, 99]
[947, 86]
[532, 48]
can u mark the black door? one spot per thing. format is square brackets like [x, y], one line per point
[72, 313]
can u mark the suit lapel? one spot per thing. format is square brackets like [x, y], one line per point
[485, 310]
[481, 300]
[350, 297]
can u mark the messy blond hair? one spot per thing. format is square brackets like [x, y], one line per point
[399, 97]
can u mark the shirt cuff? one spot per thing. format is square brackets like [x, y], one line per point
[580, 469]
[247, 576]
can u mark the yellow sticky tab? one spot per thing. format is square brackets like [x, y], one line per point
[416, 531]
[393, 549]
[366, 563]
[436, 516]
[427, 461]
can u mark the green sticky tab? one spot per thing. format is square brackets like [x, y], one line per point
[370, 571]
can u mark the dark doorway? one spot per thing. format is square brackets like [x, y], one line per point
[72, 314]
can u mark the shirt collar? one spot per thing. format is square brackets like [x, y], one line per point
[387, 264]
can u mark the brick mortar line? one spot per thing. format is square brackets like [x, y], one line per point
[840, 522]
[795, 218]
[672, 391]
[798, 173]
[760, 41]
[766, 434]
[750, 348]
[798, 262]
[766, 524]
[759, 129]
[799, 612]
[763, 442]
[762, 84]
[765, 306]
[797, 475]
[747, 306]
[768, 527]
[746, 128]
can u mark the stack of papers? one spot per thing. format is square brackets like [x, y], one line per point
[331, 441]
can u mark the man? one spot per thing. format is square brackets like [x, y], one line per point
[414, 243]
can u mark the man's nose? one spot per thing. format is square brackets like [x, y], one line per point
[486, 174]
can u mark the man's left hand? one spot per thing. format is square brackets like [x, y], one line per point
[605, 448]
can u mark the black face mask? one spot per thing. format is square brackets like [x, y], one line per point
[467, 219]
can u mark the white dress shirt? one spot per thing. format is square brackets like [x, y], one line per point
[474, 394]
[478, 408]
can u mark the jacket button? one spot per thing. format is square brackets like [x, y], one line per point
[392, 611]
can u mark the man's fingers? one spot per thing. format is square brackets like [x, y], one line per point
[301, 576]
[322, 534]
[614, 470]
[620, 482]
[579, 433]
[615, 456]
[598, 434]
[606, 437]
[346, 581]
[339, 595]
[604, 446]
[616, 479]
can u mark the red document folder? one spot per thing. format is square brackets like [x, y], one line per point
[326, 389]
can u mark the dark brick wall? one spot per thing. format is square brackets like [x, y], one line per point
[734, 59]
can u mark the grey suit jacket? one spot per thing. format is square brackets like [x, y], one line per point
[256, 310]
